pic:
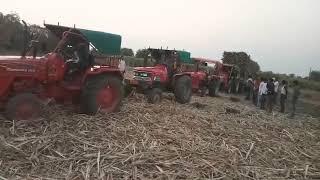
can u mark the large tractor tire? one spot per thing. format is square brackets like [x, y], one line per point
[214, 87]
[183, 89]
[23, 107]
[102, 93]
[154, 95]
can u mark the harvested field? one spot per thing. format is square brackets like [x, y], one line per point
[211, 138]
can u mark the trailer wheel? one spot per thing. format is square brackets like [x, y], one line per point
[101, 93]
[183, 89]
[23, 107]
[214, 87]
[154, 95]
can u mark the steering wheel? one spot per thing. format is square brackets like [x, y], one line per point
[65, 54]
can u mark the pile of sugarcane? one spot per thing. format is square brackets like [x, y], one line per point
[243, 61]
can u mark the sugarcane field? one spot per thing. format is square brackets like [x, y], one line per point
[164, 90]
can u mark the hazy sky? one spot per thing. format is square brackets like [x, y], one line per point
[281, 35]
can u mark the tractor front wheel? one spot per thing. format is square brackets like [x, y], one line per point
[101, 93]
[23, 107]
[183, 89]
[154, 95]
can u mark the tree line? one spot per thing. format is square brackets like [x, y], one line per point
[15, 35]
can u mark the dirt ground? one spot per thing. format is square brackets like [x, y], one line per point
[210, 138]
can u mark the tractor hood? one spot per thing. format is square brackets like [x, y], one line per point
[105, 43]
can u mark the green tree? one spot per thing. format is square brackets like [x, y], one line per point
[126, 52]
[315, 75]
[292, 75]
[142, 53]
[14, 36]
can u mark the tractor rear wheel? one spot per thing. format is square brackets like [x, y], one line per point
[214, 87]
[101, 93]
[24, 106]
[183, 89]
[154, 95]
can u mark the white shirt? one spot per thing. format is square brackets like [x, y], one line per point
[276, 86]
[122, 66]
[263, 88]
[283, 90]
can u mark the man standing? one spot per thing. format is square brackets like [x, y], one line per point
[122, 66]
[262, 93]
[270, 95]
[256, 84]
[295, 96]
[276, 90]
[283, 95]
[249, 88]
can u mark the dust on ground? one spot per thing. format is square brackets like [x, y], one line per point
[210, 138]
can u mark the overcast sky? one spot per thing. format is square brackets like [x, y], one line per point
[281, 35]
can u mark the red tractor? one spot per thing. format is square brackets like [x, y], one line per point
[165, 75]
[208, 75]
[68, 74]
[212, 75]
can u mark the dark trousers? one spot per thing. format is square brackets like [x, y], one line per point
[293, 107]
[255, 97]
[249, 93]
[270, 99]
[263, 101]
[282, 103]
[275, 97]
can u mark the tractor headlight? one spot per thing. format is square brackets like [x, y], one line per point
[141, 74]
[156, 78]
[144, 74]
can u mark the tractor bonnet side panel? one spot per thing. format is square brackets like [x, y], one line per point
[197, 79]
[6, 82]
[56, 68]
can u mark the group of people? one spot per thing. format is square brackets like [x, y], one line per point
[266, 93]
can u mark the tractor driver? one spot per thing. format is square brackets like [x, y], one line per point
[82, 55]
[81, 58]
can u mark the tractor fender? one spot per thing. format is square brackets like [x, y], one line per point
[98, 70]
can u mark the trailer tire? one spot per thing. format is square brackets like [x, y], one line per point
[101, 93]
[24, 106]
[183, 89]
[154, 95]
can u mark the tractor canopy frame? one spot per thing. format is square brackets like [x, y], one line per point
[103, 43]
